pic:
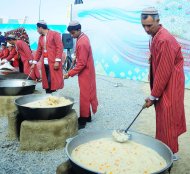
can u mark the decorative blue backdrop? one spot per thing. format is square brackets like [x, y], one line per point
[119, 43]
[31, 31]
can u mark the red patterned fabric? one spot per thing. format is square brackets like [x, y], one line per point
[20, 33]
[86, 76]
[167, 83]
[54, 48]
[4, 53]
[13, 55]
[26, 55]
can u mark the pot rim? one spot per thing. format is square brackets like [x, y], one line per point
[44, 96]
[69, 141]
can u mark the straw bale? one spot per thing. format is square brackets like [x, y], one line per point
[7, 105]
[43, 135]
[12, 129]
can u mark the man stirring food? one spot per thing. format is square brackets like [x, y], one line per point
[86, 73]
[166, 81]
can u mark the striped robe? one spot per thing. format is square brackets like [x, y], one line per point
[26, 55]
[54, 48]
[167, 83]
[4, 53]
[13, 54]
[86, 76]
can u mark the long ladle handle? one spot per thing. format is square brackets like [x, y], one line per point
[29, 74]
[24, 82]
[143, 107]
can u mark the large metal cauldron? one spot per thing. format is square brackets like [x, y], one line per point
[6, 74]
[41, 113]
[146, 140]
[13, 87]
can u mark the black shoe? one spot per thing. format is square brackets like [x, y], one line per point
[85, 119]
[89, 119]
[81, 126]
[81, 122]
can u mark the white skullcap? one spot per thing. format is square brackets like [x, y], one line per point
[150, 11]
[11, 36]
[73, 23]
[42, 22]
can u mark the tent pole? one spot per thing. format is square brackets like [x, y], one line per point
[40, 10]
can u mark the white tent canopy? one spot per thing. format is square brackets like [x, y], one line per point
[53, 12]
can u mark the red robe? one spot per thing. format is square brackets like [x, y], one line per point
[86, 76]
[54, 48]
[26, 55]
[13, 54]
[167, 83]
[4, 53]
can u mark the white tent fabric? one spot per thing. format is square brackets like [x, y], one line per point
[53, 12]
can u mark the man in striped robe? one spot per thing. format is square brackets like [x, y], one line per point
[166, 80]
[13, 56]
[26, 55]
[4, 52]
[86, 74]
[50, 51]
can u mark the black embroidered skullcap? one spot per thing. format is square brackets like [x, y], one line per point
[74, 25]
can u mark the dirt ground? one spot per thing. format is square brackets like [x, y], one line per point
[147, 126]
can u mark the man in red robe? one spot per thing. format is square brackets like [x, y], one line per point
[25, 54]
[4, 51]
[50, 48]
[86, 73]
[166, 80]
[13, 56]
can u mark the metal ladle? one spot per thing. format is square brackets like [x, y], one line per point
[123, 135]
[24, 82]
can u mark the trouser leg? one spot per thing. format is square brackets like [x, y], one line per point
[49, 79]
[21, 68]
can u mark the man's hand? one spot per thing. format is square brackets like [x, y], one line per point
[32, 66]
[66, 76]
[149, 102]
[56, 65]
[3, 61]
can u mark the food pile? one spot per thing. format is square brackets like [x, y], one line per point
[51, 101]
[107, 156]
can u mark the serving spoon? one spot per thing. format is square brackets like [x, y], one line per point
[121, 135]
[24, 82]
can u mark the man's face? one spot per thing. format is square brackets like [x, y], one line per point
[39, 29]
[75, 33]
[150, 25]
[3, 46]
[10, 48]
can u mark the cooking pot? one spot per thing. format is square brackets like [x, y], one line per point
[12, 87]
[162, 149]
[6, 71]
[12, 75]
[45, 113]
